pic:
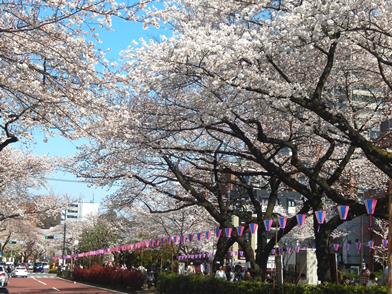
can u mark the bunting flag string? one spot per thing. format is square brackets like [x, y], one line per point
[268, 224]
[370, 205]
[343, 211]
[301, 218]
[253, 228]
[228, 232]
[320, 217]
[240, 230]
[371, 244]
[336, 247]
[358, 245]
[282, 222]
[348, 246]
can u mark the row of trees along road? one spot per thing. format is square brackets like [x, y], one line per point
[283, 92]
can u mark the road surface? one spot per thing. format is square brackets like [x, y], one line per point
[42, 284]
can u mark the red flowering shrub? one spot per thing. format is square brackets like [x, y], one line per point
[119, 278]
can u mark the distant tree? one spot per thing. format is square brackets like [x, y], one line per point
[98, 236]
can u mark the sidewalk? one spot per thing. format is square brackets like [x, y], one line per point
[147, 291]
[143, 291]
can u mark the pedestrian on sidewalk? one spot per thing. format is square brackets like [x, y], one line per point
[248, 276]
[220, 274]
[190, 270]
[364, 275]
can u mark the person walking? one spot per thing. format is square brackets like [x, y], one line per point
[220, 274]
[190, 270]
[248, 276]
[364, 275]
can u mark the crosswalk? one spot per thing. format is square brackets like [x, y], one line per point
[42, 275]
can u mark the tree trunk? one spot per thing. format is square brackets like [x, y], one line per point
[262, 254]
[323, 254]
[262, 260]
[249, 255]
[221, 250]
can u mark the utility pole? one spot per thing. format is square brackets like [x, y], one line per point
[64, 238]
[390, 237]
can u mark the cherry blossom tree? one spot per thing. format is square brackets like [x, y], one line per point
[257, 50]
[20, 172]
[53, 73]
[29, 244]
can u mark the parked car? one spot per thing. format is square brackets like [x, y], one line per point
[46, 266]
[20, 271]
[38, 267]
[30, 266]
[3, 277]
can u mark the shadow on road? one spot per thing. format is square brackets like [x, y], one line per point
[4, 290]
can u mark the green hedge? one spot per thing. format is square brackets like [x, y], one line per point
[196, 284]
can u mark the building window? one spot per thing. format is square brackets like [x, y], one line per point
[290, 203]
[264, 201]
[386, 126]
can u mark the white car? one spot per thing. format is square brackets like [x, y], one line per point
[45, 266]
[21, 272]
[3, 277]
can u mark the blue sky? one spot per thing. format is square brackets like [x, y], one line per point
[118, 38]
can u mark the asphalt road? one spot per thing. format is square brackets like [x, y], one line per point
[36, 284]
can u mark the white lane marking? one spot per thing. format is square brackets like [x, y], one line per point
[56, 289]
[39, 281]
